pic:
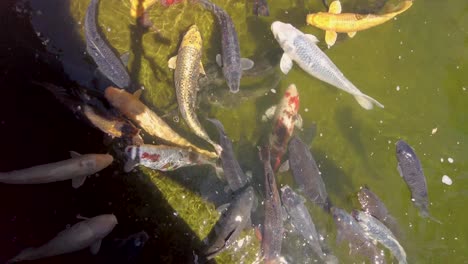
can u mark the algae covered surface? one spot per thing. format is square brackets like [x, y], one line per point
[416, 65]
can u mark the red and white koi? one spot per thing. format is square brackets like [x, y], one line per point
[283, 124]
[162, 158]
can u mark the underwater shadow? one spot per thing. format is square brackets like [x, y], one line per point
[345, 119]
[335, 179]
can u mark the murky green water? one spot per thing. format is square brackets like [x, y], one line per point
[416, 65]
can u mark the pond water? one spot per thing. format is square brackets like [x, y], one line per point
[416, 65]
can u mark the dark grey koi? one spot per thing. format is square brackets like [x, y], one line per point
[108, 63]
[230, 59]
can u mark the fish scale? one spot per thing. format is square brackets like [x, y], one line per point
[230, 49]
[325, 71]
[187, 71]
[108, 63]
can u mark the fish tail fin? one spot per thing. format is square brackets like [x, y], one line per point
[426, 214]
[367, 102]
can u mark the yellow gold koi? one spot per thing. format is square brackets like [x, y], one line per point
[334, 21]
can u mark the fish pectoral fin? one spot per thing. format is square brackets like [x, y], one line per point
[219, 61]
[312, 38]
[330, 38]
[171, 63]
[74, 154]
[129, 165]
[125, 57]
[137, 94]
[399, 170]
[335, 7]
[285, 63]
[351, 34]
[202, 69]
[284, 167]
[94, 248]
[222, 208]
[246, 64]
[298, 122]
[78, 181]
[269, 113]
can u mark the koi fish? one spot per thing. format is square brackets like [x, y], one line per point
[91, 109]
[87, 233]
[231, 223]
[272, 234]
[411, 171]
[130, 106]
[334, 21]
[283, 124]
[162, 158]
[302, 49]
[188, 66]
[108, 63]
[77, 169]
[230, 60]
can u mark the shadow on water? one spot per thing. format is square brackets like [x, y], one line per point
[37, 129]
[352, 129]
[336, 181]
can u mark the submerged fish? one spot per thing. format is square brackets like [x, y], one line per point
[371, 204]
[125, 251]
[233, 173]
[306, 173]
[93, 110]
[162, 158]
[230, 59]
[261, 8]
[272, 234]
[231, 223]
[77, 169]
[87, 233]
[410, 169]
[135, 110]
[187, 65]
[302, 222]
[108, 63]
[348, 228]
[302, 49]
[377, 231]
[283, 124]
[334, 21]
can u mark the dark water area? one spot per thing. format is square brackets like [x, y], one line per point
[36, 129]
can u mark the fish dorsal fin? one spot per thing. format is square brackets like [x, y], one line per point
[285, 63]
[202, 69]
[330, 38]
[246, 64]
[335, 7]
[171, 63]
[125, 57]
[94, 248]
[137, 93]
[78, 181]
[74, 154]
[312, 38]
